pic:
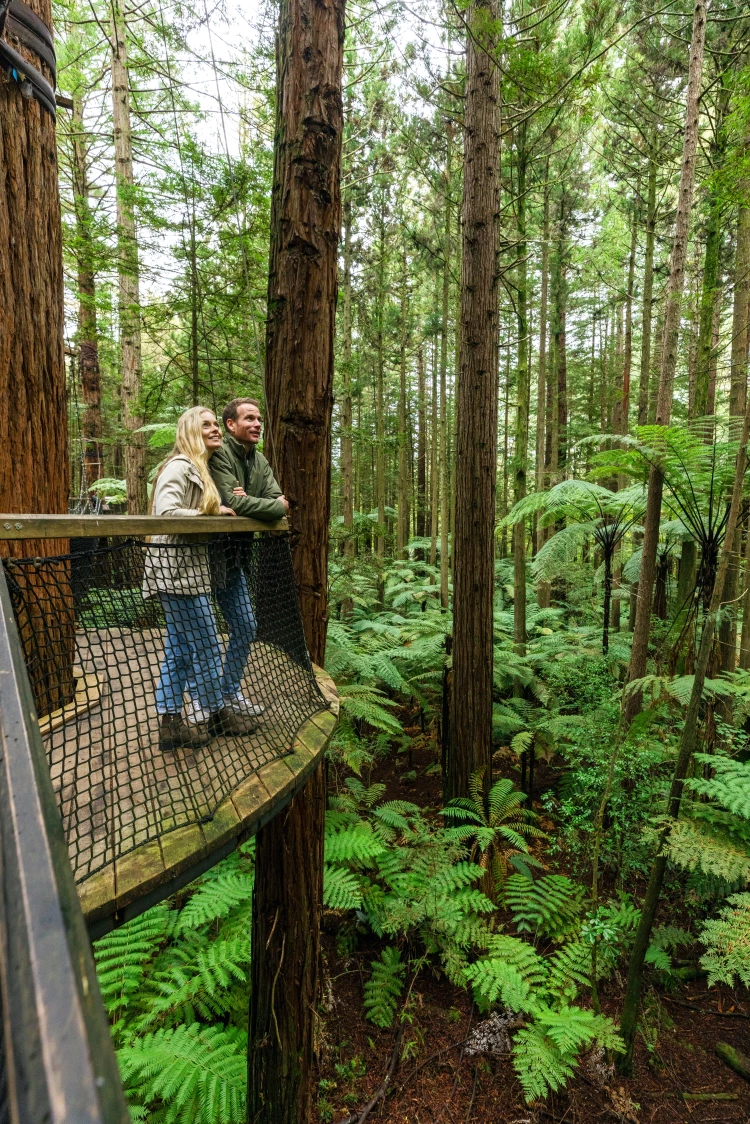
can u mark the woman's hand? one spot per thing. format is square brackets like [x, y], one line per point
[226, 510]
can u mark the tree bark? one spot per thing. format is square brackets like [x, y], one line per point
[522, 404]
[541, 388]
[447, 253]
[648, 288]
[347, 455]
[380, 388]
[87, 335]
[33, 407]
[639, 651]
[127, 267]
[421, 446]
[476, 414]
[302, 290]
[404, 438]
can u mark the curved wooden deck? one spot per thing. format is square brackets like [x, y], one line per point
[136, 881]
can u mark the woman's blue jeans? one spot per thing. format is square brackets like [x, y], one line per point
[192, 647]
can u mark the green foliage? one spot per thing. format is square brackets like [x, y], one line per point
[383, 989]
[549, 906]
[174, 981]
[190, 1074]
[727, 942]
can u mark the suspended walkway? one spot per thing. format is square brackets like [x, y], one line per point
[89, 800]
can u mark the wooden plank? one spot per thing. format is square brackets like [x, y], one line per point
[138, 872]
[14, 526]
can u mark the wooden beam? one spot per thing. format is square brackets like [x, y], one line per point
[15, 526]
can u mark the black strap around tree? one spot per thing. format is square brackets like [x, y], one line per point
[30, 31]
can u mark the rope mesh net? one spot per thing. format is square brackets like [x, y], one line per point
[165, 673]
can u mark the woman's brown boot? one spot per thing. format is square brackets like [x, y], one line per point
[175, 732]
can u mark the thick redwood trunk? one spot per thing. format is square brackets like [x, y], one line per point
[33, 413]
[305, 225]
[33, 409]
[476, 415]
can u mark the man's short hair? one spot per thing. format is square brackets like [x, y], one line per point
[229, 413]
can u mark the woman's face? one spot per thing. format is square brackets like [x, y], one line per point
[211, 431]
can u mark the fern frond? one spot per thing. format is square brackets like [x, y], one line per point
[198, 1073]
[341, 888]
[383, 989]
[550, 905]
[727, 941]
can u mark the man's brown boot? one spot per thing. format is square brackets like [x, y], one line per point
[175, 732]
[230, 723]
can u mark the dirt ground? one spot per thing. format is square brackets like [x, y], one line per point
[437, 1080]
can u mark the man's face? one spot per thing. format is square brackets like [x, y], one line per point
[247, 426]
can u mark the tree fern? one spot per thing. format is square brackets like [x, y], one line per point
[383, 989]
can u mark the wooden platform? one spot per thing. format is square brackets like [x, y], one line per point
[141, 823]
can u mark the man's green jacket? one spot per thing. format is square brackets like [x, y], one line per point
[232, 467]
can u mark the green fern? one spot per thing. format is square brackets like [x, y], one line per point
[727, 942]
[545, 1051]
[383, 989]
[549, 906]
[341, 888]
[123, 955]
[190, 986]
[215, 898]
[188, 1075]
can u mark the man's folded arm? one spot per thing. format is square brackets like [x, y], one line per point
[266, 507]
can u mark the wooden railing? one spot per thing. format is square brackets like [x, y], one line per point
[101, 526]
[57, 1063]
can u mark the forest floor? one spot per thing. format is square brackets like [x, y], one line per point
[437, 1081]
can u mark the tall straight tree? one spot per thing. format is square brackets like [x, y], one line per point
[476, 412]
[672, 308]
[127, 266]
[33, 411]
[88, 342]
[302, 290]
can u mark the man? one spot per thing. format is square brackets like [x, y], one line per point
[243, 476]
[247, 485]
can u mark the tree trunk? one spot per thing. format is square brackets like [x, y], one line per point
[380, 389]
[33, 407]
[476, 414]
[522, 405]
[447, 253]
[421, 446]
[87, 336]
[648, 288]
[541, 388]
[710, 290]
[404, 439]
[737, 403]
[127, 267]
[305, 227]
[561, 351]
[434, 470]
[688, 742]
[347, 453]
[639, 651]
[627, 360]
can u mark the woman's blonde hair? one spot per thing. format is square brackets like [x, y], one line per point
[189, 443]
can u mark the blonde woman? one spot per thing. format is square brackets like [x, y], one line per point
[179, 574]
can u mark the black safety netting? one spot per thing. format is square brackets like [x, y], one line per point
[165, 673]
